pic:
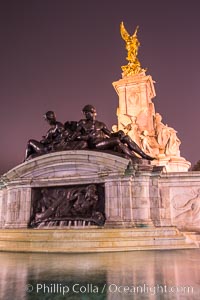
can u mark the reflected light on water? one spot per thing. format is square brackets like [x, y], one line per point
[127, 275]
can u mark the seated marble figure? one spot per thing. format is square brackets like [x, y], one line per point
[88, 133]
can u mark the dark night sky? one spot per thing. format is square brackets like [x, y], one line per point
[62, 54]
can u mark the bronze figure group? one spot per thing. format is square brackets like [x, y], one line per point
[88, 133]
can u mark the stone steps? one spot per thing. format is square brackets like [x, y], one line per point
[96, 231]
[92, 240]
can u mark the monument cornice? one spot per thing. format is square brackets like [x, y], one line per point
[67, 165]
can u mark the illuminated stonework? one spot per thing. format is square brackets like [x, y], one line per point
[137, 116]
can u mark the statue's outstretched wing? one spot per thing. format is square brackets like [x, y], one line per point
[125, 35]
[136, 30]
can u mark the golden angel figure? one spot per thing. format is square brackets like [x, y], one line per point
[132, 45]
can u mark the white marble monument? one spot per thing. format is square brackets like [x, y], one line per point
[137, 115]
[92, 201]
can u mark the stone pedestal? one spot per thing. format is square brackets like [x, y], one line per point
[127, 195]
[137, 118]
[66, 169]
[139, 202]
[133, 196]
[135, 94]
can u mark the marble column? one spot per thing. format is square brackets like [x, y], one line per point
[118, 202]
[141, 199]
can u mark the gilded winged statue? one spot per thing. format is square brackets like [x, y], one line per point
[132, 45]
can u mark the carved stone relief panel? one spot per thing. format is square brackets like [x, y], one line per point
[78, 205]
